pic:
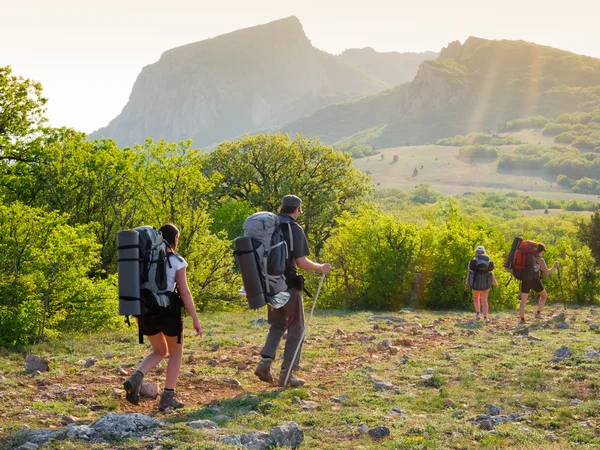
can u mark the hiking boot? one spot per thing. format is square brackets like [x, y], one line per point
[263, 370]
[132, 386]
[293, 381]
[522, 321]
[486, 320]
[538, 315]
[477, 316]
[167, 400]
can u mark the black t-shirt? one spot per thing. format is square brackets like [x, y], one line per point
[300, 247]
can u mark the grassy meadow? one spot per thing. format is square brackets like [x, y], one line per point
[451, 175]
[444, 368]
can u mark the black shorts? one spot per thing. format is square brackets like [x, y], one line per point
[169, 325]
[533, 283]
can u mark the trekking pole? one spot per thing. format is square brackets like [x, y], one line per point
[561, 288]
[289, 371]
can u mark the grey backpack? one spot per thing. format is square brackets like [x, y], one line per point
[480, 273]
[155, 298]
[271, 248]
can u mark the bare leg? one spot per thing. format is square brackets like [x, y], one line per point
[174, 365]
[542, 300]
[524, 297]
[484, 302]
[159, 351]
[476, 304]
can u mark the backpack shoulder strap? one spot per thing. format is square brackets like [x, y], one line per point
[176, 255]
[285, 220]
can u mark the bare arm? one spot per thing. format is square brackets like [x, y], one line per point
[544, 267]
[467, 277]
[307, 264]
[186, 296]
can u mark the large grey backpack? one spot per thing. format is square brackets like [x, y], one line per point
[143, 274]
[269, 244]
[480, 273]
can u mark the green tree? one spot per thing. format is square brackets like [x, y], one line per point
[373, 258]
[175, 189]
[262, 169]
[589, 233]
[44, 277]
[22, 119]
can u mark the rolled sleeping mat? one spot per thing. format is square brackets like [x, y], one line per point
[251, 277]
[128, 269]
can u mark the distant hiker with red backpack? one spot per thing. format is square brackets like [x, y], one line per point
[163, 324]
[480, 279]
[535, 266]
[289, 316]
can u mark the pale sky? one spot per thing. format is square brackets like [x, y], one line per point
[87, 54]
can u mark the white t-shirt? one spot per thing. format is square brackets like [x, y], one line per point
[177, 262]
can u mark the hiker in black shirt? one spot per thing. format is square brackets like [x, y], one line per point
[289, 317]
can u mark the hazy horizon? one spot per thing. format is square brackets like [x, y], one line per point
[87, 56]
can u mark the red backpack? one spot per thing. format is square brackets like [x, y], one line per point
[523, 259]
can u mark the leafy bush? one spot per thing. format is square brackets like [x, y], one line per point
[44, 277]
[424, 194]
[479, 138]
[566, 137]
[374, 260]
[359, 150]
[478, 152]
[522, 124]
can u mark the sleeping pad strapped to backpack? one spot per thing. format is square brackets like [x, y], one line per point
[263, 257]
[142, 274]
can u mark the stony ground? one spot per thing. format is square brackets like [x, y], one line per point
[405, 380]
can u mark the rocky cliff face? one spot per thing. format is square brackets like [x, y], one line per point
[456, 50]
[237, 83]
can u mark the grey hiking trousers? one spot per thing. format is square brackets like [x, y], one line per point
[289, 317]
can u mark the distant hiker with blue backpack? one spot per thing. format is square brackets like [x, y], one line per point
[157, 276]
[286, 310]
[480, 279]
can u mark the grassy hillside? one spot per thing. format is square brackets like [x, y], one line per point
[474, 87]
[444, 370]
[446, 172]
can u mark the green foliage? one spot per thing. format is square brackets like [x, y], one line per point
[229, 217]
[554, 129]
[424, 194]
[374, 261]
[450, 242]
[44, 277]
[565, 138]
[262, 169]
[478, 139]
[566, 163]
[22, 109]
[478, 152]
[534, 122]
[358, 150]
[589, 233]
[450, 69]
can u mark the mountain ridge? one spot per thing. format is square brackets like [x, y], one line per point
[247, 80]
[471, 87]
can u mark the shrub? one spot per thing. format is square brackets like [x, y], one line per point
[553, 129]
[478, 152]
[521, 124]
[565, 138]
